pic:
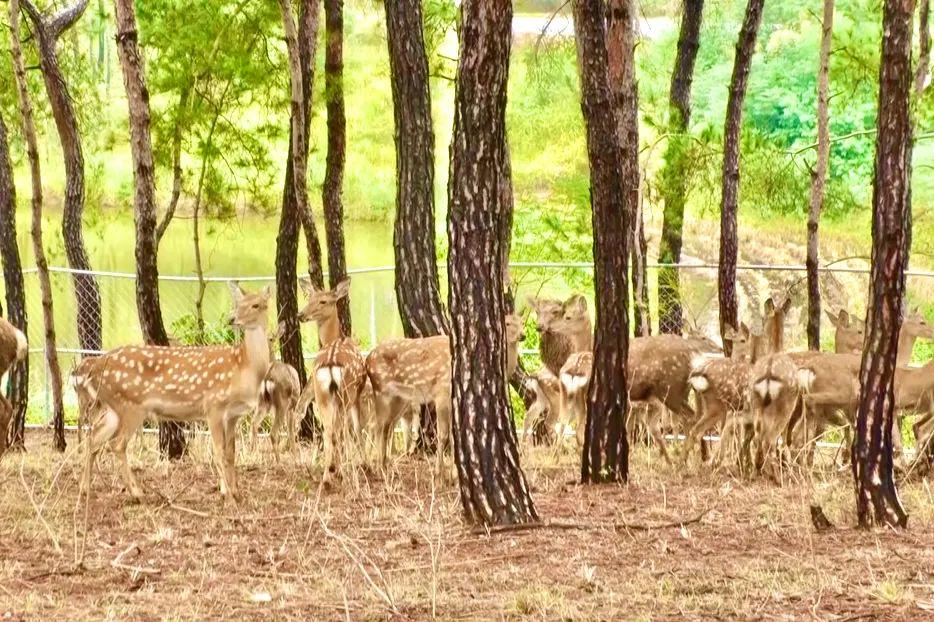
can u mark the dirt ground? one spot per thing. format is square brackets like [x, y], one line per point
[397, 547]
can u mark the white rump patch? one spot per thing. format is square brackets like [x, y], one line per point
[761, 388]
[269, 386]
[323, 376]
[337, 374]
[22, 348]
[572, 383]
[700, 383]
[805, 379]
[775, 388]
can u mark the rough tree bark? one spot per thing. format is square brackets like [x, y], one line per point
[729, 202]
[418, 292]
[148, 307]
[606, 447]
[47, 30]
[493, 488]
[15, 295]
[674, 172]
[924, 52]
[337, 147]
[877, 499]
[819, 177]
[42, 264]
[621, 45]
[295, 215]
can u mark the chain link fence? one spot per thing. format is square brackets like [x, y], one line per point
[185, 299]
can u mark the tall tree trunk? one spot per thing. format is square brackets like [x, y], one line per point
[924, 53]
[674, 172]
[621, 55]
[819, 177]
[42, 264]
[493, 488]
[873, 469]
[171, 434]
[295, 212]
[729, 204]
[606, 447]
[48, 29]
[418, 292]
[15, 294]
[416, 276]
[332, 190]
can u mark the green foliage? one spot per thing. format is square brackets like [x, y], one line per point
[185, 330]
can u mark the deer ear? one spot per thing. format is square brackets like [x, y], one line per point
[342, 289]
[268, 292]
[834, 320]
[235, 291]
[769, 305]
[744, 330]
[786, 306]
[532, 301]
[306, 286]
[730, 333]
[577, 302]
[844, 317]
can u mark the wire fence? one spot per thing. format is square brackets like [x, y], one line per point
[375, 314]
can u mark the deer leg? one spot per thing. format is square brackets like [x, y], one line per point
[230, 453]
[119, 447]
[216, 427]
[102, 431]
[443, 408]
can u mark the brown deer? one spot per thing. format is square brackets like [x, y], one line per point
[338, 374]
[849, 332]
[547, 404]
[13, 348]
[556, 346]
[406, 373]
[913, 328]
[278, 395]
[216, 384]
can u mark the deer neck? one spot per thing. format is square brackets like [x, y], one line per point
[329, 330]
[255, 348]
[581, 339]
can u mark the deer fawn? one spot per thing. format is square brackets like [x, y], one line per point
[13, 348]
[339, 374]
[216, 384]
[410, 372]
[849, 332]
[279, 395]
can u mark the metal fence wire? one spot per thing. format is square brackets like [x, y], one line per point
[375, 315]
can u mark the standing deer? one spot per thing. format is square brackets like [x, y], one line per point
[339, 374]
[13, 348]
[913, 328]
[407, 373]
[279, 394]
[216, 384]
[556, 346]
[849, 332]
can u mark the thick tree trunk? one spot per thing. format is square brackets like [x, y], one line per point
[416, 275]
[606, 447]
[819, 177]
[47, 30]
[42, 264]
[729, 204]
[295, 216]
[924, 52]
[171, 434]
[876, 495]
[332, 190]
[621, 54]
[15, 294]
[674, 172]
[492, 486]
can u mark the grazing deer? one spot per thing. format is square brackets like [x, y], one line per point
[721, 385]
[849, 332]
[279, 394]
[556, 346]
[406, 373]
[216, 384]
[773, 399]
[338, 373]
[13, 348]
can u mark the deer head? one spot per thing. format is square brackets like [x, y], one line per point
[773, 324]
[250, 309]
[849, 332]
[747, 345]
[574, 322]
[321, 308]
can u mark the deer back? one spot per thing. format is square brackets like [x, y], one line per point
[344, 355]
[13, 345]
[726, 379]
[280, 385]
[831, 377]
[660, 366]
[774, 381]
[415, 370]
[914, 387]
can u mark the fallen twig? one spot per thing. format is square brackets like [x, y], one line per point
[45, 523]
[486, 530]
[117, 562]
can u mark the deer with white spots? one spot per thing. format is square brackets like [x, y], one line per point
[215, 384]
[407, 373]
[338, 375]
[13, 348]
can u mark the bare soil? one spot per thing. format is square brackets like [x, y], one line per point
[677, 542]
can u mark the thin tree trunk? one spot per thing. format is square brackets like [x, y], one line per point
[675, 170]
[493, 488]
[42, 264]
[15, 294]
[334, 162]
[877, 499]
[621, 56]
[176, 165]
[745, 47]
[47, 30]
[819, 178]
[606, 448]
[924, 53]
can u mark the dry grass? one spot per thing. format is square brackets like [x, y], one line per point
[397, 548]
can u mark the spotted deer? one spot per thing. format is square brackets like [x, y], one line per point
[13, 348]
[279, 394]
[556, 346]
[215, 384]
[573, 325]
[338, 375]
[407, 373]
[848, 332]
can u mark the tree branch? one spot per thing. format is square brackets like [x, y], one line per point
[65, 19]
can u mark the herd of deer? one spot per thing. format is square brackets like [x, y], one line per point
[760, 394]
